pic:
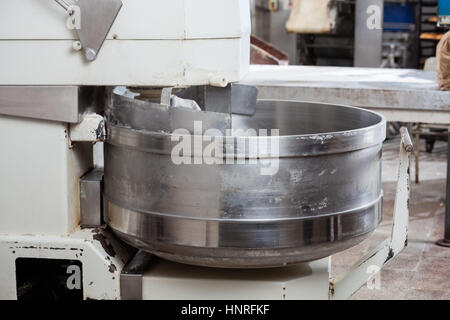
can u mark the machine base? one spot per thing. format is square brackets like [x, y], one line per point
[159, 279]
[92, 260]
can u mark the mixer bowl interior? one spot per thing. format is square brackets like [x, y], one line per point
[309, 118]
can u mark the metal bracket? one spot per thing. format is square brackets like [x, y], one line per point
[168, 99]
[90, 129]
[232, 99]
[92, 21]
[131, 276]
[91, 190]
[348, 283]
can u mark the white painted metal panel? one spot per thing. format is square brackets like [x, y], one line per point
[129, 62]
[168, 280]
[150, 19]
[39, 177]
[151, 43]
[33, 19]
[138, 19]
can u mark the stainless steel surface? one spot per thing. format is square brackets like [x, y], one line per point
[97, 18]
[217, 99]
[368, 33]
[393, 89]
[144, 115]
[131, 276]
[165, 280]
[55, 103]
[325, 197]
[91, 199]
[234, 98]
[243, 99]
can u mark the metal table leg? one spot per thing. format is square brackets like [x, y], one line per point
[446, 241]
[416, 151]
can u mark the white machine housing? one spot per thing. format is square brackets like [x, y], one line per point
[151, 43]
[42, 110]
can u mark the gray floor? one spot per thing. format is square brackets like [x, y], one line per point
[422, 270]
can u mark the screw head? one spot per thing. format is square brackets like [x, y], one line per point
[77, 46]
[90, 54]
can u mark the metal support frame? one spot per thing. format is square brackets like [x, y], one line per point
[421, 129]
[416, 151]
[348, 283]
[445, 242]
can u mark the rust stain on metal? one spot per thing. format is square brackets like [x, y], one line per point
[331, 289]
[104, 243]
[100, 131]
[112, 268]
[262, 52]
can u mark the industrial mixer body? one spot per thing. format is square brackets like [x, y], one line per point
[318, 194]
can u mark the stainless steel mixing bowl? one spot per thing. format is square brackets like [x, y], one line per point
[325, 197]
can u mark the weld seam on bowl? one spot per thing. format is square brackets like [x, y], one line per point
[168, 215]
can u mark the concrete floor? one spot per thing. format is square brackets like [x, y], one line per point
[422, 269]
